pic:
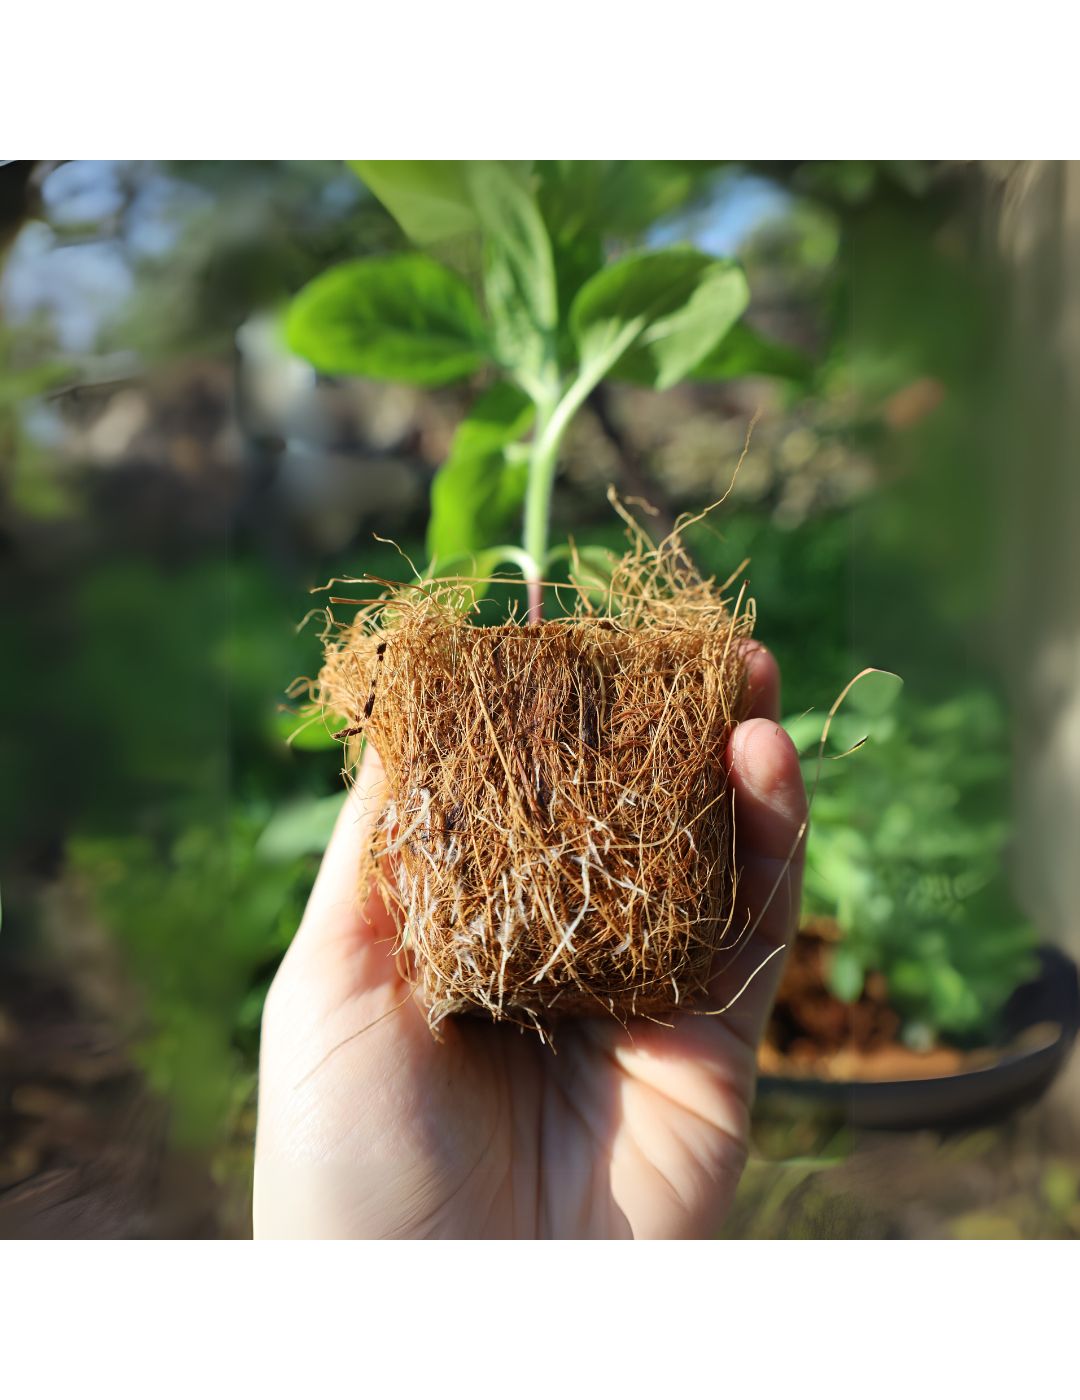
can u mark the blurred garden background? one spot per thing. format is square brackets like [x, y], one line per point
[174, 483]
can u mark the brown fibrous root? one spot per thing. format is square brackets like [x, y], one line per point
[558, 836]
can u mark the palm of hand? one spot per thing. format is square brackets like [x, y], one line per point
[370, 1127]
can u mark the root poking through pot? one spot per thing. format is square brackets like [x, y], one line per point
[559, 836]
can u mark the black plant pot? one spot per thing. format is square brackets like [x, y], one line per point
[1039, 1025]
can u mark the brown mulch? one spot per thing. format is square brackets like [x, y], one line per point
[811, 1032]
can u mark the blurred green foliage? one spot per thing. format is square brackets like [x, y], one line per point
[907, 853]
[203, 923]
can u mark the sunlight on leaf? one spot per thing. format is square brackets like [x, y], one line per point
[401, 317]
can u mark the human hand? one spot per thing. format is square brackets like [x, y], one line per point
[369, 1127]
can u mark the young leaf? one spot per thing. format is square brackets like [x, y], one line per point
[430, 199]
[671, 306]
[478, 492]
[583, 202]
[519, 269]
[645, 285]
[617, 198]
[677, 343]
[577, 237]
[402, 317]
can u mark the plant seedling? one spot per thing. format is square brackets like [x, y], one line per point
[559, 825]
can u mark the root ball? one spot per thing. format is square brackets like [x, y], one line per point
[558, 840]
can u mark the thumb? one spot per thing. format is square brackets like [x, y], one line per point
[770, 838]
[341, 919]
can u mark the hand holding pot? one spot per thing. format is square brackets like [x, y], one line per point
[369, 1127]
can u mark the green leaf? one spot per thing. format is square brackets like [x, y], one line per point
[430, 199]
[576, 237]
[475, 571]
[644, 286]
[310, 731]
[519, 278]
[301, 829]
[401, 317]
[864, 711]
[744, 352]
[908, 980]
[585, 202]
[804, 731]
[846, 974]
[671, 306]
[19, 385]
[952, 999]
[614, 198]
[671, 347]
[876, 693]
[591, 570]
[477, 494]
[849, 733]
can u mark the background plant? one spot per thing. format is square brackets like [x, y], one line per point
[907, 852]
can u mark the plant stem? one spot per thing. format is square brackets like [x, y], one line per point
[553, 417]
[542, 464]
[551, 426]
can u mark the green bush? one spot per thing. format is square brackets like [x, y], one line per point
[202, 925]
[907, 852]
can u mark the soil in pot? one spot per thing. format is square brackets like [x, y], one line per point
[812, 1034]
